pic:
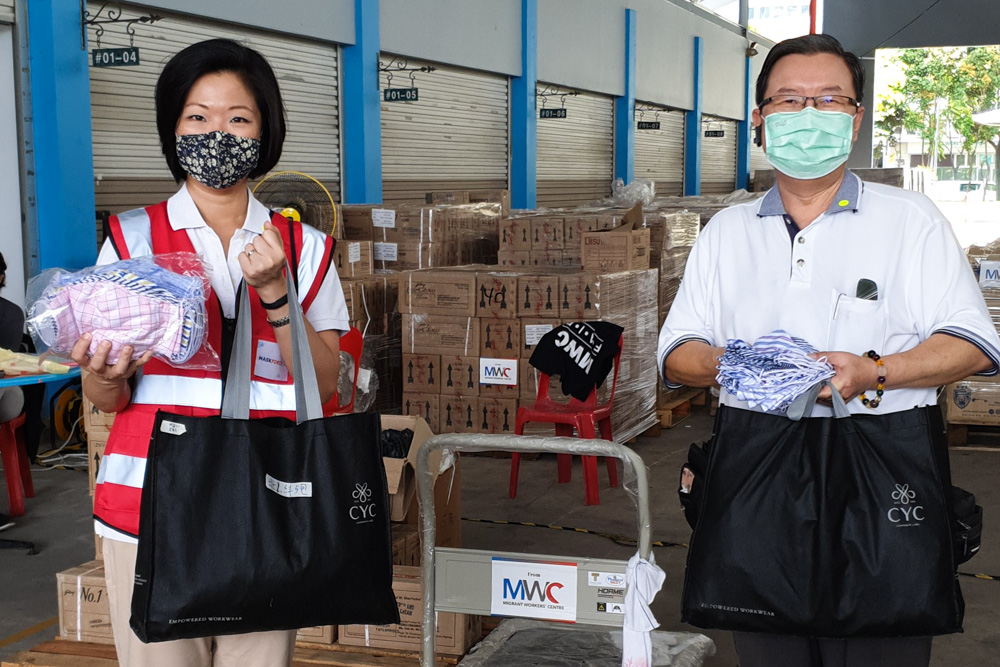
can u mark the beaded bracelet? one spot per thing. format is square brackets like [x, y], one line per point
[880, 387]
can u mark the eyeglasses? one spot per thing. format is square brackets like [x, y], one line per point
[821, 102]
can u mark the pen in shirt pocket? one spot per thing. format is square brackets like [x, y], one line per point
[867, 290]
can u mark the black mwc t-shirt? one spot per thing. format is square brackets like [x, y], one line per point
[580, 353]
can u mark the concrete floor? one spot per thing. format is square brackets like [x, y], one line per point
[58, 520]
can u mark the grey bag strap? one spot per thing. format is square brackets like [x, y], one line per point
[802, 406]
[236, 401]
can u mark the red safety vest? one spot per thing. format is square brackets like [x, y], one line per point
[190, 392]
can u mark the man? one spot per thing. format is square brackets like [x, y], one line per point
[847, 266]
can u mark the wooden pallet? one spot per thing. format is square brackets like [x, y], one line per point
[61, 653]
[679, 408]
[974, 437]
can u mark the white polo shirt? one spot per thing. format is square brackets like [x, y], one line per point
[746, 277]
[327, 311]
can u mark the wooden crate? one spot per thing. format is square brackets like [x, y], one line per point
[679, 408]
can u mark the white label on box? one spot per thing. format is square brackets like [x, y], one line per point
[989, 273]
[384, 217]
[533, 333]
[364, 378]
[498, 371]
[542, 589]
[172, 428]
[269, 364]
[606, 579]
[353, 253]
[386, 252]
[289, 489]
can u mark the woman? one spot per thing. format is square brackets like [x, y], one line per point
[220, 119]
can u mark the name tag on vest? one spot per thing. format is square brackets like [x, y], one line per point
[268, 364]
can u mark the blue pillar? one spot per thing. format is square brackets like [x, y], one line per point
[362, 128]
[523, 115]
[625, 108]
[63, 150]
[692, 128]
[744, 130]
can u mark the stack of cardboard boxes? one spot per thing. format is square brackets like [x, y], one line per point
[468, 333]
[976, 400]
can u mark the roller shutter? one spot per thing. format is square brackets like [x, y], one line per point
[659, 154]
[6, 11]
[454, 137]
[758, 159]
[576, 154]
[129, 169]
[718, 156]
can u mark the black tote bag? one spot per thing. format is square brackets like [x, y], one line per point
[256, 525]
[825, 527]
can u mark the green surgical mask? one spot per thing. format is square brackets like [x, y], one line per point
[808, 144]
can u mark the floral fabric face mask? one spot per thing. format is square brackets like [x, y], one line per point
[217, 159]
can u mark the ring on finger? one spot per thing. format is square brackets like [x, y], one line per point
[251, 251]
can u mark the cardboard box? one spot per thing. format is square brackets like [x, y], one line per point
[532, 330]
[95, 422]
[620, 249]
[320, 634]
[520, 230]
[544, 258]
[422, 372]
[497, 196]
[353, 259]
[973, 401]
[460, 375]
[436, 334]
[458, 414]
[514, 259]
[407, 255]
[499, 338]
[399, 542]
[411, 549]
[356, 221]
[456, 633]
[399, 473]
[453, 197]
[84, 611]
[537, 296]
[580, 297]
[95, 454]
[547, 233]
[98, 547]
[447, 506]
[438, 292]
[498, 414]
[527, 382]
[427, 406]
[496, 294]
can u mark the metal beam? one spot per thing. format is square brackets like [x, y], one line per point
[625, 107]
[362, 129]
[692, 127]
[523, 114]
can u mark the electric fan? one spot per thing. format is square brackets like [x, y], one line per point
[299, 197]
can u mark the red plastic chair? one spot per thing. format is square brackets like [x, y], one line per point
[15, 464]
[352, 343]
[587, 417]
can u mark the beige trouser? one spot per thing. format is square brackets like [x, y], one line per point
[260, 649]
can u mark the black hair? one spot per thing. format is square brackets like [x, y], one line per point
[810, 45]
[3, 264]
[219, 55]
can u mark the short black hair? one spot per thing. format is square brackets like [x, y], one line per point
[209, 57]
[810, 45]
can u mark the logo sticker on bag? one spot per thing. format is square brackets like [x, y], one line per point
[289, 489]
[362, 511]
[906, 512]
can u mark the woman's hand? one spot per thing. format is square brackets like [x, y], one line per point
[262, 262]
[106, 385]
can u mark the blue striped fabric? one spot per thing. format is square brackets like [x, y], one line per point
[772, 372]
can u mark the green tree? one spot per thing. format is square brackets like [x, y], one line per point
[978, 84]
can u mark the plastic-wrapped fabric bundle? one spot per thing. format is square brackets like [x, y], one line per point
[150, 303]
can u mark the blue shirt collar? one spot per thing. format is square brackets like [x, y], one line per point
[848, 198]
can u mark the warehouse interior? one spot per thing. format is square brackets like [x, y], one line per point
[492, 134]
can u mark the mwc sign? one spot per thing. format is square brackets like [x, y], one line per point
[497, 371]
[534, 589]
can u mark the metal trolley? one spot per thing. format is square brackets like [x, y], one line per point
[459, 580]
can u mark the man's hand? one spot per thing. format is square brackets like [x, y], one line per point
[854, 375]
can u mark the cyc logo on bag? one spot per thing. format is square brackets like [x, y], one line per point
[362, 511]
[905, 511]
